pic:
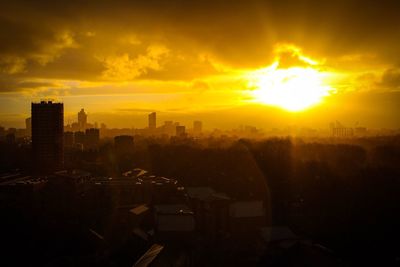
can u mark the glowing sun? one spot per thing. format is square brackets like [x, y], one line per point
[293, 89]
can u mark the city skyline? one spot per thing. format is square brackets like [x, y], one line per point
[87, 133]
[226, 119]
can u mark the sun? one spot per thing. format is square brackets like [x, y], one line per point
[293, 89]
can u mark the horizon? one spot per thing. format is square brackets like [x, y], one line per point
[229, 118]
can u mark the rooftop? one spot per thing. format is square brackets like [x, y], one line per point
[139, 209]
[173, 209]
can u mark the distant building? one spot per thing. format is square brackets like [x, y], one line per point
[10, 138]
[47, 135]
[12, 131]
[79, 137]
[123, 144]
[169, 128]
[68, 139]
[197, 127]
[180, 130]
[248, 129]
[82, 119]
[338, 130]
[152, 121]
[75, 127]
[92, 138]
[360, 131]
[342, 132]
[28, 126]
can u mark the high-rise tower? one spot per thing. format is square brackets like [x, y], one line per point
[197, 127]
[82, 119]
[152, 120]
[47, 135]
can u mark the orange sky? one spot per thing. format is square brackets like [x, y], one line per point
[207, 60]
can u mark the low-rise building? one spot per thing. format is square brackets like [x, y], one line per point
[174, 221]
[246, 216]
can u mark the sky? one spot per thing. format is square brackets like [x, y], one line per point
[263, 63]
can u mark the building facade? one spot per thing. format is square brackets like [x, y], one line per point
[82, 119]
[92, 138]
[197, 127]
[47, 135]
[152, 120]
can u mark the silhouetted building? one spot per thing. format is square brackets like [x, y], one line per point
[75, 127]
[338, 130]
[180, 130]
[79, 138]
[82, 119]
[197, 127]
[47, 135]
[342, 132]
[211, 210]
[248, 129]
[360, 131]
[169, 128]
[28, 126]
[10, 138]
[20, 192]
[123, 144]
[246, 216]
[74, 182]
[152, 120]
[12, 131]
[174, 218]
[92, 137]
[68, 139]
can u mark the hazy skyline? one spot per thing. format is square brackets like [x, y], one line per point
[210, 60]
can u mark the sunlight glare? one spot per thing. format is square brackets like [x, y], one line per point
[293, 89]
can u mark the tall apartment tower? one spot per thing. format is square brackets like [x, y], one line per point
[197, 127]
[82, 119]
[152, 120]
[47, 136]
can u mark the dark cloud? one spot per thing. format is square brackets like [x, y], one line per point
[141, 110]
[12, 84]
[391, 79]
[75, 40]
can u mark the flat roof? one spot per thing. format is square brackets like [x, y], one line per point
[173, 209]
[139, 209]
[249, 208]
